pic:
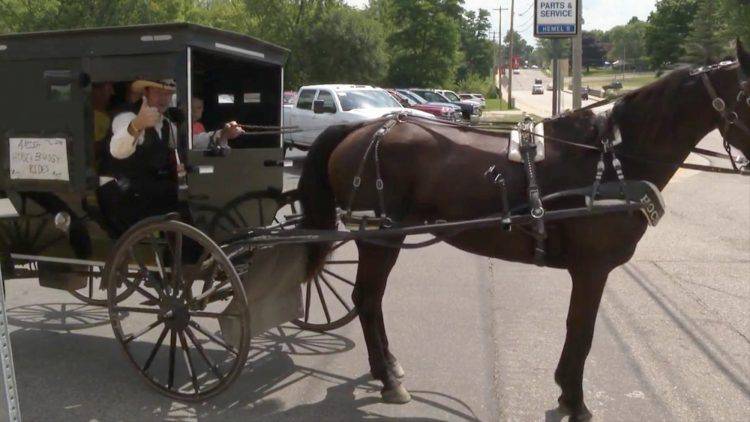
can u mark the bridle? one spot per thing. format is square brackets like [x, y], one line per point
[729, 118]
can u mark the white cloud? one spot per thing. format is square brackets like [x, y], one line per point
[598, 14]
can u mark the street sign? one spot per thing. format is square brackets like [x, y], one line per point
[556, 18]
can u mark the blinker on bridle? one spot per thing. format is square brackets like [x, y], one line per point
[730, 118]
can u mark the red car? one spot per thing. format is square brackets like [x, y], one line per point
[437, 110]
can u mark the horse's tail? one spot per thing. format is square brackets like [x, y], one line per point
[316, 194]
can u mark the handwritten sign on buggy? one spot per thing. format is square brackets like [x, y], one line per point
[556, 18]
[38, 159]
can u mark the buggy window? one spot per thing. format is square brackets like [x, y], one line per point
[306, 99]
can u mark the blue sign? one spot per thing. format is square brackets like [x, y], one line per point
[556, 29]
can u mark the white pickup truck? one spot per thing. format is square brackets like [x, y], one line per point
[320, 106]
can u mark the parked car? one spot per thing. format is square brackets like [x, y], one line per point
[477, 98]
[417, 98]
[289, 97]
[613, 85]
[441, 111]
[516, 71]
[550, 87]
[453, 97]
[320, 106]
[469, 111]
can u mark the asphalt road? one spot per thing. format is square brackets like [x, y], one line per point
[540, 105]
[479, 338]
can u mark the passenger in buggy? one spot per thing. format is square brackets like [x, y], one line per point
[142, 167]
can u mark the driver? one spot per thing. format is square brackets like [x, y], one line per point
[144, 164]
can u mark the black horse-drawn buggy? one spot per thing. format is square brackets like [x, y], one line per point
[197, 332]
[186, 293]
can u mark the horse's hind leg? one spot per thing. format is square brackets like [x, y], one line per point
[588, 285]
[375, 264]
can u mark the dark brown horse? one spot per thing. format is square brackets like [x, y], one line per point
[436, 172]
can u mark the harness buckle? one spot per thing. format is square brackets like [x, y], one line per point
[357, 181]
[719, 104]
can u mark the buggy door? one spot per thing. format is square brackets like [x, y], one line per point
[45, 125]
[240, 188]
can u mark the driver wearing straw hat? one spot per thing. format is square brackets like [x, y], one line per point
[144, 163]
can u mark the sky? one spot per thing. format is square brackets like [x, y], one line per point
[597, 14]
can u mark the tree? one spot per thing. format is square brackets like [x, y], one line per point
[706, 42]
[343, 45]
[477, 50]
[425, 45]
[668, 26]
[521, 48]
[736, 15]
[594, 53]
[629, 43]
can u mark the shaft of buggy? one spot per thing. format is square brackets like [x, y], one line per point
[272, 236]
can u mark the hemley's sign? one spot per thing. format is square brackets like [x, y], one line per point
[556, 18]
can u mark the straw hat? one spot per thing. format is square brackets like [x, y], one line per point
[140, 84]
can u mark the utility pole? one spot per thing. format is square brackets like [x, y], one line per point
[500, 50]
[510, 58]
[578, 60]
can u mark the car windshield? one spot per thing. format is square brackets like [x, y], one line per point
[413, 96]
[537, 81]
[451, 96]
[433, 97]
[365, 98]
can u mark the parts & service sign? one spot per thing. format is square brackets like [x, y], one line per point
[556, 18]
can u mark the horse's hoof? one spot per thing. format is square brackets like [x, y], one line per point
[581, 414]
[396, 369]
[396, 395]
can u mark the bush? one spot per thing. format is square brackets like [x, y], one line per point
[478, 85]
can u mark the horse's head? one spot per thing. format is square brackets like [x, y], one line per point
[737, 134]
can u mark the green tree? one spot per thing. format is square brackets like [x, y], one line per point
[707, 41]
[344, 45]
[520, 47]
[629, 43]
[736, 15]
[476, 48]
[668, 26]
[425, 45]
[594, 52]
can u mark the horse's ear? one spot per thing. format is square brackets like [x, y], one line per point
[744, 57]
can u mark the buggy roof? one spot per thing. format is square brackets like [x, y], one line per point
[136, 40]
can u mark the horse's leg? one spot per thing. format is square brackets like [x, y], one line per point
[393, 366]
[375, 264]
[588, 285]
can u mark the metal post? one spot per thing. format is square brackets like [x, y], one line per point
[10, 406]
[510, 58]
[555, 76]
[577, 60]
[500, 50]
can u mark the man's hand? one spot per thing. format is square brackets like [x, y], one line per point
[147, 117]
[231, 130]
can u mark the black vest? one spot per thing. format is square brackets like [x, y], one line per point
[152, 160]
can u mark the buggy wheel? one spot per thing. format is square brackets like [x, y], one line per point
[327, 297]
[93, 294]
[186, 329]
[250, 210]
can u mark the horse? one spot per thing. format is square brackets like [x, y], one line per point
[435, 172]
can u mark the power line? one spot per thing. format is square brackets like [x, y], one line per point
[527, 9]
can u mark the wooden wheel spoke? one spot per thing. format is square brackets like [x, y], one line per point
[136, 310]
[157, 257]
[189, 363]
[335, 293]
[176, 251]
[343, 262]
[140, 289]
[204, 355]
[308, 298]
[322, 299]
[172, 350]
[143, 331]
[213, 338]
[210, 292]
[334, 275]
[155, 350]
[202, 314]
